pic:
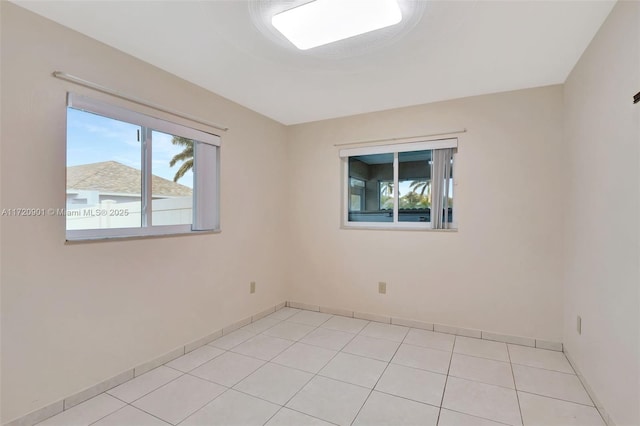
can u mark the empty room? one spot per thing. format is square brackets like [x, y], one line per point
[320, 212]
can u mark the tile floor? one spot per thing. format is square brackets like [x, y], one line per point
[302, 368]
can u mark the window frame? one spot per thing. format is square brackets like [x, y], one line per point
[362, 194]
[406, 145]
[147, 125]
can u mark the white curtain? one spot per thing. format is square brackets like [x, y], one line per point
[205, 187]
[440, 174]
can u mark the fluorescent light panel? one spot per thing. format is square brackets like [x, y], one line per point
[322, 22]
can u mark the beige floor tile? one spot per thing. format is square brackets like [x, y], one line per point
[430, 339]
[86, 412]
[130, 416]
[289, 330]
[305, 357]
[378, 330]
[423, 358]
[288, 417]
[328, 339]
[383, 410]
[550, 383]
[228, 369]
[370, 347]
[232, 339]
[179, 399]
[233, 409]
[354, 369]
[263, 347]
[145, 383]
[195, 358]
[482, 370]
[542, 411]
[309, 318]
[481, 348]
[453, 418]
[482, 400]
[412, 383]
[348, 325]
[274, 383]
[330, 400]
[540, 358]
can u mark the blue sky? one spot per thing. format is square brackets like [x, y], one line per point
[92, 139]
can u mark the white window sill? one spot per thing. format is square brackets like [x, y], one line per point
[370, 227]
[103, 238]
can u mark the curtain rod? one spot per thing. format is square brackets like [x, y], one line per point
[402, 139]
[73, 79]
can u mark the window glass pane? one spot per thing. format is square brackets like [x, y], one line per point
[356, 194]
[370, 200]
[104, 177]
[414, 175]
[172, 180]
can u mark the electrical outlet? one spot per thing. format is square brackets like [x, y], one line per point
[579, 324]
[252, 287]
[382, 287]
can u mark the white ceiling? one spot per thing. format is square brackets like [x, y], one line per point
[446, 50]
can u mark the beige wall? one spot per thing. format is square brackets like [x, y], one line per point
[69, 318]
[500, 272]
[603, 185]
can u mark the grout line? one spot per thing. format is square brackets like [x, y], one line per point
[573, 368]
[264, 363]
[199, 365]
[207, 403]
[306, 414]
[161, 386]
[317, 374]
[480, 381]
[151, 414]
[435, 349]
[513, 376]
[473, 415]
[314, 375]
[481, 357]
[106, 415]
[557, 399]
[444, 389]
[405, 398]
[383, 371]
[583, 381]
[518, 390]
[544, 369]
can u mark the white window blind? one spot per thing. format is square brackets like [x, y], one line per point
[205, 187]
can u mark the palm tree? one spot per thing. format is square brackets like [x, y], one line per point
[386, 188]
[186, 156]
[386, 195]
[422, 185]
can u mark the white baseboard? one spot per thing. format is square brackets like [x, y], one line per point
[50, 410]
[603, 413]
[58, 407]
[442, 328]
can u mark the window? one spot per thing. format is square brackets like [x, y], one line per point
[400, 186]
[356, 194]
[130, 174]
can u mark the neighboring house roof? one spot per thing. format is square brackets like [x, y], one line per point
[111, 176]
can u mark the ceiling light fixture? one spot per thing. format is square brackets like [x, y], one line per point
[321, 22]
